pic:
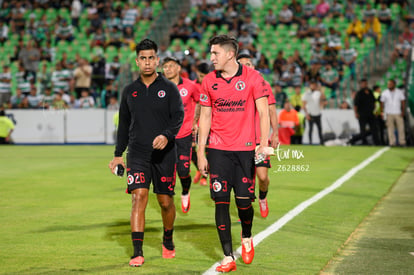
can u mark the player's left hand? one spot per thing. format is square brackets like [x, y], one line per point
[274, 140]
[159, 142]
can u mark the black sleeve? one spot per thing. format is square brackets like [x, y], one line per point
[176, 114]
[123, 126]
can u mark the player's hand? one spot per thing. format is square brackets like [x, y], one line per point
[159, 142]
[260, 150]
[307, 117]
[114, 163]
[202, 164]
[194, 129]
[274, 140]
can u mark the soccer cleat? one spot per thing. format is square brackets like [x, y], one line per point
[185, 203]
[203, 182]
[264, 208]
[228, 264]
[137, 261]
[197, 177]
[167, 254]
[247, 250]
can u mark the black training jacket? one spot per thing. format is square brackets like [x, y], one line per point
[146, 112]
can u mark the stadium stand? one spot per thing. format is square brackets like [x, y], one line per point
[40, 21]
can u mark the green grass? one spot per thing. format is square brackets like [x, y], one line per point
[62, 212]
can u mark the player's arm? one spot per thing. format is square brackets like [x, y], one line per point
[122, 134]
[196, 118]
[262, 107]
[274, 139]
[203, 131]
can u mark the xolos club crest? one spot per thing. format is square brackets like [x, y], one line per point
[240, 85]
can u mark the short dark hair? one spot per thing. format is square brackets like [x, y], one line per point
[225, 40]
[173, 59]
[203, 68]
[393, 81]
[244, 55]
[146, 44]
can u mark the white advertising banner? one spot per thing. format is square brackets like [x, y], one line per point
[38, 126]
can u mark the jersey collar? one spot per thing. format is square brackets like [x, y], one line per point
[238, 73]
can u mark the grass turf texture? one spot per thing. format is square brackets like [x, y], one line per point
[62, 212]
[387, 233]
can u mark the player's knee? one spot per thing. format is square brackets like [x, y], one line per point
[262, 175]
[222, 200]
[166, 204]
[183, 172]
[244, 203]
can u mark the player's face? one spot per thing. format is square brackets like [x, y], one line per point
[220, 56]
[147, 61]
[246, 62]
[171, 69]
[200, 76]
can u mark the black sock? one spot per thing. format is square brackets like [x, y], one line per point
[223, 225]
[167, 239]
[137, 240]
[245, 208]
[262, 194]
[186, 184]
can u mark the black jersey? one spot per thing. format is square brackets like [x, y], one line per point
[146, 112]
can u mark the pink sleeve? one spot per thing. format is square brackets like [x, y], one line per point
[271, 99]
[204, 94]
[260, 88]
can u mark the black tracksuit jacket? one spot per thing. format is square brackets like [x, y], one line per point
[146, 112]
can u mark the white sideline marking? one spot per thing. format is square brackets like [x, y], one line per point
[302, 206]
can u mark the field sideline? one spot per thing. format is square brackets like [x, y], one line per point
[62, 212]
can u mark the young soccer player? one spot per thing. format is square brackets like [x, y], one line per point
[150, 116]
[190, 95]
[229, 98]
[263, 167]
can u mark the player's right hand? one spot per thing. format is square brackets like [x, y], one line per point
[202, 164]
[114, 163]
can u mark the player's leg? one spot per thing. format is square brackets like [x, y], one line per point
[138, 175]
[163, 172]
[183, 170]
[244, 187]
[310, 123]
[263, 180]
[220, 170]
[166, 203]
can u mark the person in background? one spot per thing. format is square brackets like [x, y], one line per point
[364, 106]
[313, 102]
[6, 128]
[393, 108]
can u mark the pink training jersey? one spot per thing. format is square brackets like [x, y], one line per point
[271, 99]
[190, 94]
[233, 108]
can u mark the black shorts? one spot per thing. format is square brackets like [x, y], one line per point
[184, 155]
[158, 169]
[231, 169]
[266, 163]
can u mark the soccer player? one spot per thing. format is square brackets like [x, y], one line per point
[202, 70]
[150, 116]
[263, 167]
[228, 99]
[190, 96]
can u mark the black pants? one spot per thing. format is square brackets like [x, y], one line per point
[315, 120]
[371, 122]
